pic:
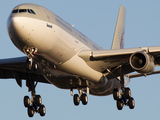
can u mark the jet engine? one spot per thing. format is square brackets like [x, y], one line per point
[142, 62]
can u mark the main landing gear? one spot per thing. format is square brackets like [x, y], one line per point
[81, 97]
[123, 96]
[34, 105]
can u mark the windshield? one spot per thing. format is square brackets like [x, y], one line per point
[23, 10]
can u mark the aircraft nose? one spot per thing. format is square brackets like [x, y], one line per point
[16, 31]
[15, 25]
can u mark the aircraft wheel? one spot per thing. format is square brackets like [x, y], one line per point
[119, 104]
[127, 93]
[30, 111]
[84, 99]
[38, 100]
[131, 103]
[42, 110]
[76, 99]
[116, 94]
[26, 101]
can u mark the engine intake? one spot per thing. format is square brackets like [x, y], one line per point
[142, 62]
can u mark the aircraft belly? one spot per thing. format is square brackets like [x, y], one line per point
[65, 82]
[106, 89]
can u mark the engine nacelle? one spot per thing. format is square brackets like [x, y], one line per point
[142, 62]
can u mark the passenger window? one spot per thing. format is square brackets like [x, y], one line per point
[22, 10]
[15, 11]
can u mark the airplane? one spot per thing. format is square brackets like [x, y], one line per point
[58, 54]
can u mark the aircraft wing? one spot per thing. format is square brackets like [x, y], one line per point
[107, 61]
[17, 68]
[141, 75]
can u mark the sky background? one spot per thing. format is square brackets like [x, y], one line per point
[96, 19]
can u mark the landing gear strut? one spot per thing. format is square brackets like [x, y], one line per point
[123, 96]
[81, 97]
[31, 65]
[34, 105]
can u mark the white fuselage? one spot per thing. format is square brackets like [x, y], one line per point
[57, 42]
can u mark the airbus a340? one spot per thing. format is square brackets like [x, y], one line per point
[58, 54]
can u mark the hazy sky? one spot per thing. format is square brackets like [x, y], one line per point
[97, 20]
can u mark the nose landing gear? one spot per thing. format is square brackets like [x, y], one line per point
[31, 64]
[30, 51]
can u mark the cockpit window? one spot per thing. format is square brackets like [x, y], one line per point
[32, 11]
[22, 10]
[15, 11]
[29, 11]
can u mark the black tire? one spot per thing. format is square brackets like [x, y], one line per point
[116, 94]
[42, 110]
[127, 93]
[131, 103]
[38, 100]
[84, 99]
[119, 104]
[76, 99]
[26, 101]
[30, 111]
